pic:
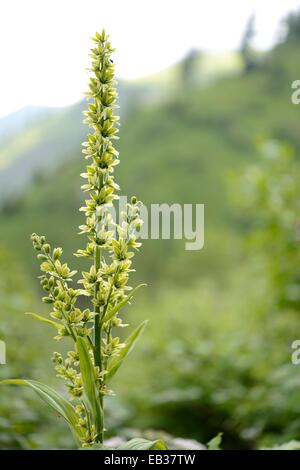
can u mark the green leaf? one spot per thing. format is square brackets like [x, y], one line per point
[143, 444]
[89, 381]
[130, 342]
[97, 446]
[215, 443]
[133, 444]
[112, 312]
[45, 320]
[58, 403]
[291, 445]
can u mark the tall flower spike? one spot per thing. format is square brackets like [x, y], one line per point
[111, 250]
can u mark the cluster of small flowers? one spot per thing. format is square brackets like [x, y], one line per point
[107, 283]
[54, 280]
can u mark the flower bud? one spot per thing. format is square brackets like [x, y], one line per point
[46, 248]
[57, 253]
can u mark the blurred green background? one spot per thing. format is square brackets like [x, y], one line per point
[214, 129]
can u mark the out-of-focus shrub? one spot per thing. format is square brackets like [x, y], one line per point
[218, 356]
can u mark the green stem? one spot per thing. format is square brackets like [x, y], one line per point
[98, 337]
[110, 292]
[97, 352]
[98, 322]
[87, 415]
[98, 317]
[97, 263]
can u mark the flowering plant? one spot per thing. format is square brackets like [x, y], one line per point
[97, 351]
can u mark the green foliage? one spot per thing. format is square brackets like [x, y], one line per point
[90, 384]
[229, 359]
[292, 445]
[129, 344]
[215, 442]
[59, 404]
[143, 444]
[44, 320]
[133, 444]
[270, 190]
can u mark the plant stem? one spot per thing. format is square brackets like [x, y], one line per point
[98, 320]
[97, 352]
[98, 335]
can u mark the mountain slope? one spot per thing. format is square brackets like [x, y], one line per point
[181, 150]
[44, 139]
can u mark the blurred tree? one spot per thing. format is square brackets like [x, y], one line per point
[246, 50]
[189, 67]
[272, 194]
[292, 27]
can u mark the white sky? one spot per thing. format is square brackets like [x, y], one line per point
[44, 44]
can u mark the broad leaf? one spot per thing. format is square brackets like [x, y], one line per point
[89, 381]
[133, 444]
[130, 342]
[112, 312]
[291, 445]
[58, 403]
[97, 446]
[45, 320]
[215, 443]
[143, 444]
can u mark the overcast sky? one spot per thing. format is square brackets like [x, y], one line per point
[44, 44]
